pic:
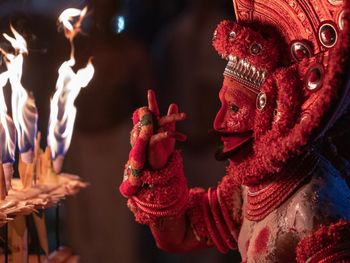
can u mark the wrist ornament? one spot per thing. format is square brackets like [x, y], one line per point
[164, 193]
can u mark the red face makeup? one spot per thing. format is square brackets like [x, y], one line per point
[234, 121]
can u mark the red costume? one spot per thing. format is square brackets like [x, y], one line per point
[285, 92]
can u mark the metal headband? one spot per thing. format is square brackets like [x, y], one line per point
[246, 73]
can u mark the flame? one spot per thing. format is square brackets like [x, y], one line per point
[66, 19]
[7, 128]
[24, 111]
[72, 29]
[18, 43]
[68, 86]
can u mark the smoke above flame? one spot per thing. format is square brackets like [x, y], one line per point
[68, 86]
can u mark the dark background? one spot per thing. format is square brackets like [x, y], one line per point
[166, 45]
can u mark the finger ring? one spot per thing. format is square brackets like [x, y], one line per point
[146, 120]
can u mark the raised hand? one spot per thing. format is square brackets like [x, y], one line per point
[152, 136]
[162, 142]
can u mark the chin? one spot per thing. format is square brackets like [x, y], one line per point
[235, 148]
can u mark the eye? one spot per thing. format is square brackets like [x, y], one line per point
[234, 108]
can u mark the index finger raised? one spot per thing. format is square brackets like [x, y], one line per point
[152, 102]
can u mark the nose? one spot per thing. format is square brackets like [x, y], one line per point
[219, 121]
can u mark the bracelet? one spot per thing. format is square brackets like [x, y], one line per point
[164, 193]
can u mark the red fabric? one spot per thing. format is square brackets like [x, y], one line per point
[329, 244]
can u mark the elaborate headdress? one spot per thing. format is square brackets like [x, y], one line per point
[295, 56]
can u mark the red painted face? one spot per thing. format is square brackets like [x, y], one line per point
[234, 121]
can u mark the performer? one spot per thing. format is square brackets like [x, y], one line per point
[285, 94]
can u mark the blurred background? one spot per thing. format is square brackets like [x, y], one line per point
[135, 45]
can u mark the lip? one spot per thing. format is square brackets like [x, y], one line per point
[230, 143]
[233, 143]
